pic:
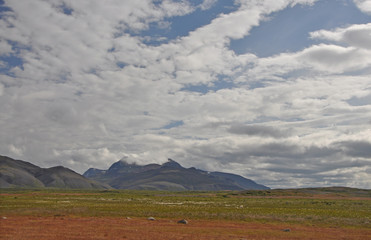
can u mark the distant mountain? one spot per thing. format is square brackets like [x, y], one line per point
[168, 176]
[17, 173]
[240, 181]
[121, 175]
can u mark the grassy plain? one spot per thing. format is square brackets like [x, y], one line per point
[327, 208]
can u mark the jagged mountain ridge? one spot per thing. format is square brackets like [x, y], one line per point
[18, 173]
[168, 176]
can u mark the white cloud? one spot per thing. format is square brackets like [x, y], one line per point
[15, 150]
[95, 158]
[364, 5]
[269, 6]
[336, 59]
[327, 58]
[176, 8]
[206, 4]
[5, 48]
[358, 35]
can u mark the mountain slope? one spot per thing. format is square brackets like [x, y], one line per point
[168, 176]
[17, 173]
[241, 181]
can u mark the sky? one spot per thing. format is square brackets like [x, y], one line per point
[278, 91]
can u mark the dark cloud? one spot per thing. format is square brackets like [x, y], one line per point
[290, 151]
[275, 155]
[315, 167]
[258, 130]
[292, 164]
[355, 148]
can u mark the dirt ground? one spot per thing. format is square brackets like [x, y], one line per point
[69, 227]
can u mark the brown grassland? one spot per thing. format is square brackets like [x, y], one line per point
[321, 213]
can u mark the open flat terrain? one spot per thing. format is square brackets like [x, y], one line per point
[331, 213]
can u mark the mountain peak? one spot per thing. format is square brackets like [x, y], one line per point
[122, 164]
[169, 176]
[171, 164]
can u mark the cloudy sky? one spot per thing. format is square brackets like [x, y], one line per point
[278, 91]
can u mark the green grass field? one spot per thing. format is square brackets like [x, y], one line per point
[319, 207]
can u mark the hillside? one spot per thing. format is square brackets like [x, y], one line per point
[17, 173]
[168, 176]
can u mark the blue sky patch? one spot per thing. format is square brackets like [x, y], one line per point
[287, 30]
[66, 10]
[10, 61]
[3, 8]
[173, 124]
[181, 26]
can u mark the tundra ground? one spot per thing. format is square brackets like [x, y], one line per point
[274, 214]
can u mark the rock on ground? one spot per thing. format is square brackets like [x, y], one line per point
[183, 221]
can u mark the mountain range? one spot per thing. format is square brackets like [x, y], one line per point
[17, 173]
[121, 175]
[168, 176]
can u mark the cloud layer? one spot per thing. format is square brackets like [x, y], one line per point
[82, 87]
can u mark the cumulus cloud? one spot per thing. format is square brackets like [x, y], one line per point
[364, 5]
[358, 35]
[89, 158]
[336, 59]
[326, 58]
